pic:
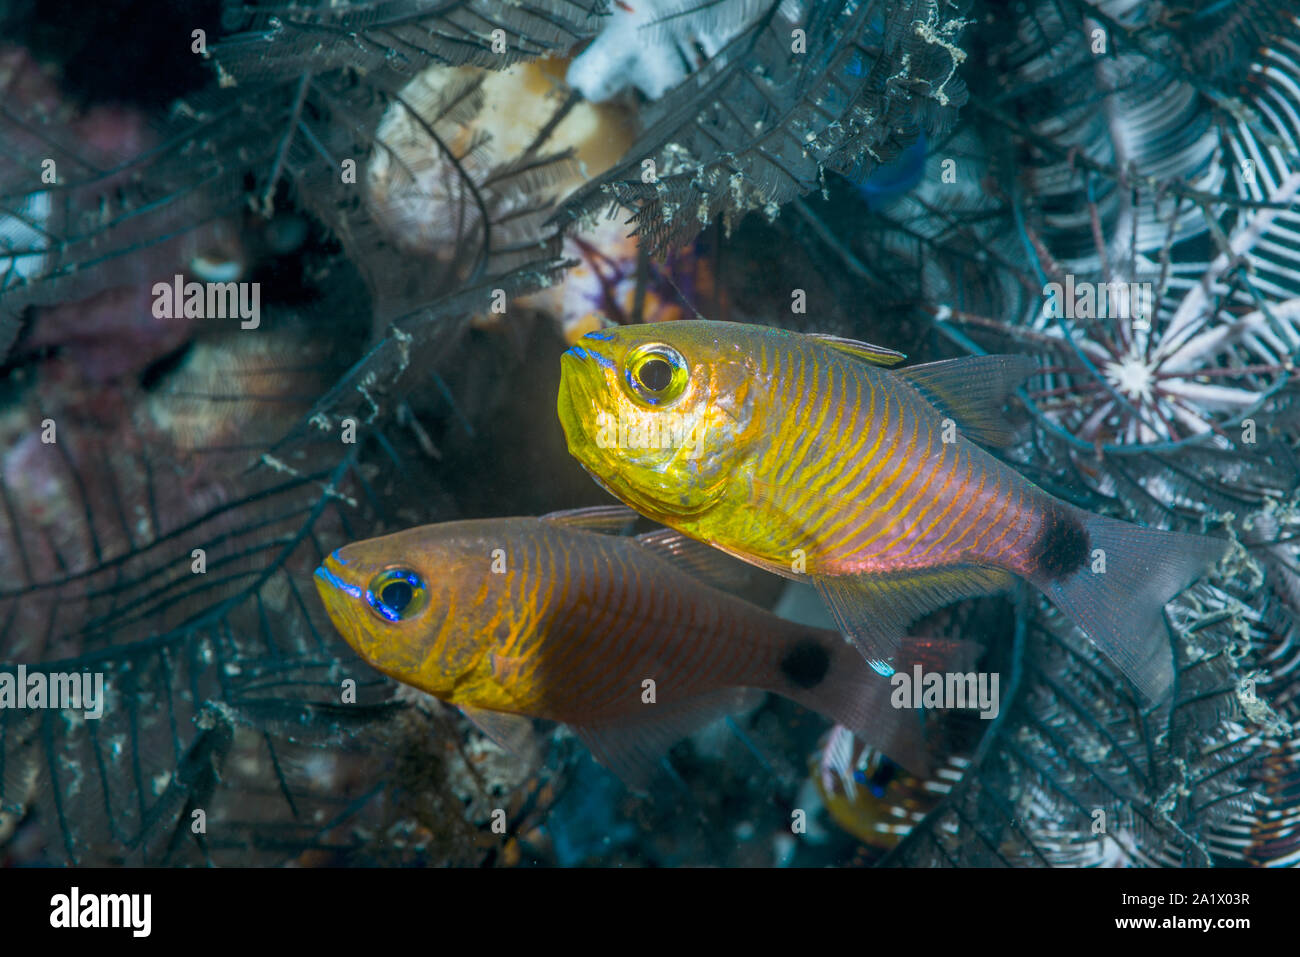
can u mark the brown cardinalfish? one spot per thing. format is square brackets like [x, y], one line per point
[616, 636]
[807, 456]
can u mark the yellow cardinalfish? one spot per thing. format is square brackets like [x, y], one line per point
[615, 636]
[804, 455]
[870, 796]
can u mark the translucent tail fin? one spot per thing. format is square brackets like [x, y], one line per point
[826, 674]
[1117, 596]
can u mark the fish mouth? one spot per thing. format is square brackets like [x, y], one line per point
[575, 366]
[330, 582]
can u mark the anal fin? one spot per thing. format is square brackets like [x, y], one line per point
[941, 654]
[873, 611]
[633, 747]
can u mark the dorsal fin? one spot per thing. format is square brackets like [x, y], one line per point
[714, 567]
[876, 355]
[972, 391]
[605, 519]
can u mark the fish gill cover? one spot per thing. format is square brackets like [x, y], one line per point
[417, 195]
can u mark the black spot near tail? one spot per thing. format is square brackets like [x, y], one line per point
[806, 664]
[1062, 547]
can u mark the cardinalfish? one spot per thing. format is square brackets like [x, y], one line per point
[816, 459]
[870, 796]
[616, 636]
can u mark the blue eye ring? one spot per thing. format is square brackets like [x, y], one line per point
[397, 594]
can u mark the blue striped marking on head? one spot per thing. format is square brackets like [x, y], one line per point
[581, 353]
[334, 581]
[602, 336]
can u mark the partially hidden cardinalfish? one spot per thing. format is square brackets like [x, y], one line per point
[558, 618]
[803, 455]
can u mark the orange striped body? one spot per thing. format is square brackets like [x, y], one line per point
[567, 627]
[859, 461]
[583, 620]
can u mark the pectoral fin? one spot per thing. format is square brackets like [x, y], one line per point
[511, 732]
[507, 669]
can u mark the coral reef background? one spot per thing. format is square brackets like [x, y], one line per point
[433, 204]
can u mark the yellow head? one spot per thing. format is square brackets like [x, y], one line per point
[416, 605]
[661, 414]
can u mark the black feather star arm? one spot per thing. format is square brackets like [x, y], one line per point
[1074, 772]
[159, 534]
[1160, 226]
[165, 540]
[89, 222]
[410, 190]
[142, 552]
[77, 221]
[1158, 166]
[802, 89]
[280, 41]
[177, 567]
[164, 510]
[1267, 833]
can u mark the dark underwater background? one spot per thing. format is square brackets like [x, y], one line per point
[921, 170]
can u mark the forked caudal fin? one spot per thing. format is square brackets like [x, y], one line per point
[1116, 592]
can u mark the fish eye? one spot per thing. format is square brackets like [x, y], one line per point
[656, 373]
[396, 594]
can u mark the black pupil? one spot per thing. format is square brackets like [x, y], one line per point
[656, 374]
[397, 595]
